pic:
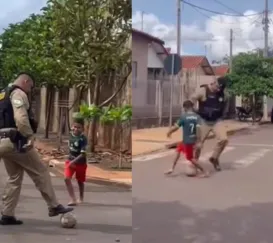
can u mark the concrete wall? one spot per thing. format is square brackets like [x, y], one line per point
[140, 56]
[193, 78]
[55, 116]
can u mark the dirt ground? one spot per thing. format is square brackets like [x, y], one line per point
[105, 159]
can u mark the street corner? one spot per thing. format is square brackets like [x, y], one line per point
[238, 128]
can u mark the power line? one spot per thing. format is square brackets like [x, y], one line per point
[214, 40]
[234, 10]
[219, 13]
[219, 21]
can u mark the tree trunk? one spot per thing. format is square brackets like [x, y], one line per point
[254, 98]
[50, 95]
[120, 144]
[60, 127]
[92, 125]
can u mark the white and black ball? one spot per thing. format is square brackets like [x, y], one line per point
[190, 170]
[68, 220]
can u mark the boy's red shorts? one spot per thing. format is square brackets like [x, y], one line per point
[79, 170]
[187, 149]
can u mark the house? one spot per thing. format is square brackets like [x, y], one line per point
[196, 71]
[220, 70]
[148, 54]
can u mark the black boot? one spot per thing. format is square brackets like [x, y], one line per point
[215, 163]
[60, 209]
[10, 220]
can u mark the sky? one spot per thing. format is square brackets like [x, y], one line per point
[202, 32]
[13, 11]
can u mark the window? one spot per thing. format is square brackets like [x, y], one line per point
[134, 74]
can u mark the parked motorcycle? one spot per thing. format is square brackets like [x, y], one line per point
[244, 114]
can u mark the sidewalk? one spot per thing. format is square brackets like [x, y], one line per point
[144, 141]
[97, 175]
[150, 140]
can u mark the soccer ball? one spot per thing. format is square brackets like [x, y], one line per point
[68, 220]
[190, 170]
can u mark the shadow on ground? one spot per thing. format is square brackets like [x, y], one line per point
[48, 227]
[161, 222]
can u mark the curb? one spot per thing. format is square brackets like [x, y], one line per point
[96, 180]
[265, 122]
[174, 144]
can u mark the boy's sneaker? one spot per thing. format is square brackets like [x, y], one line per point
[215, 163]
[10, 220]
[60, 209]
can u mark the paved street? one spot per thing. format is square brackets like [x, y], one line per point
[105, 217]
[235, 205]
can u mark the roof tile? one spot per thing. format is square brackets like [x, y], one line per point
[191, 61]
[221, 70]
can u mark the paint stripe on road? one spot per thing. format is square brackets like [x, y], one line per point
[207, 155]
[203, 157]
[153, 156]
[52, 174]
[251, 145]
[251, 158]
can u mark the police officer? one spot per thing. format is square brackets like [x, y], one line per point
[17, 128]
[212, 107]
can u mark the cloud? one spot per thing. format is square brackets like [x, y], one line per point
[13, 11]
[166, 32]
[248, 32]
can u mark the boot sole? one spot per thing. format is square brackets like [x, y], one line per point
[58, 213]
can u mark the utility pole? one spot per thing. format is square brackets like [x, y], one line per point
[265, 54]
[178, 37]
[266, 29]
[142, 20]
[178, 49]
[230, 50]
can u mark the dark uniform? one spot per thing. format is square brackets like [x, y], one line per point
[212, 106]
[16, 128]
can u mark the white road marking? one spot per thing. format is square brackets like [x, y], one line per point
[251, 144]
[153, 156]
[203, 157]
[52, 174]
[206, 156]
[251, 158]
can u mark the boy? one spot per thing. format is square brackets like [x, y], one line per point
[190, 122]
[77, 162]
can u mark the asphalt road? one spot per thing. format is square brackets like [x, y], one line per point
[106, 216]
[235, 205]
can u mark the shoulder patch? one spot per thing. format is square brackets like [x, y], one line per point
[2, 95]
[17, 102]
